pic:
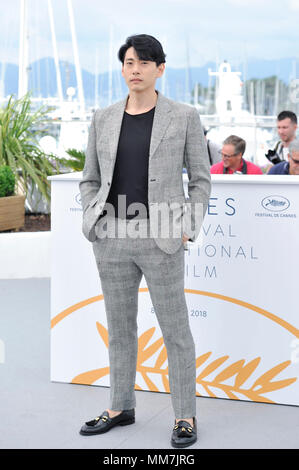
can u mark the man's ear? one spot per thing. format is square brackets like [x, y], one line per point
[161, 69]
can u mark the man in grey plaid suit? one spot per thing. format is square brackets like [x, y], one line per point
[132, 178]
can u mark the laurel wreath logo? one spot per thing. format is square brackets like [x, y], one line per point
[239, 370]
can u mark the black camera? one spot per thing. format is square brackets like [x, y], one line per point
[273, 157]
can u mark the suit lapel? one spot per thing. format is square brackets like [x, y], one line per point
[161, 121]
[162, 118]
[115, 119]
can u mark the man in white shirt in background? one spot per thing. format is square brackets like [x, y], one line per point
[286, 129]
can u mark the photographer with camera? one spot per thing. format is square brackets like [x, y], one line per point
[286, 129]
[292, 166]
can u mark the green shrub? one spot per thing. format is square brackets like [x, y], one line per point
[20, 128]
[7, 181]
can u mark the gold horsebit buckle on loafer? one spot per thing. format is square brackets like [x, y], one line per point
[96, 420]
[103, 418]
[183, 428]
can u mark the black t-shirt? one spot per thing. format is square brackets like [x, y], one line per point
[130, 176]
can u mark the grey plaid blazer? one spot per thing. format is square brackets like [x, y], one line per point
[177, 139]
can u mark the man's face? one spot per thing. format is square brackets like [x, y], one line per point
[294, 163]
[229, 156]
[140, 75]
[286, 130]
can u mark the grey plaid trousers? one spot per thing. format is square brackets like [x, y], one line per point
[121, 262]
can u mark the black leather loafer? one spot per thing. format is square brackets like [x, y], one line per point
[104, 423]
[183, 434]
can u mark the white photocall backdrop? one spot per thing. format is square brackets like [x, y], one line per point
[240, 285]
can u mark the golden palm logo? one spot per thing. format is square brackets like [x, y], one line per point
[239, 370]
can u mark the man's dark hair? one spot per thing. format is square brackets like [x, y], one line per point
[287, 114]
[147, 48]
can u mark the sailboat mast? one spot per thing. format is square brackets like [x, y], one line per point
[76, 56]
[276, 96]
[110, 66]
[187, 74]
[96, 83]
[252, 100]
[196, 94]
[23, 50]
[2, 80]
[163, 78]
[58, 75]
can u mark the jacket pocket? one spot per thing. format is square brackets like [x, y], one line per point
[177, 198]
[95, 199]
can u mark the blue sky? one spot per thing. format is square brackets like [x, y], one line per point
[208, 29]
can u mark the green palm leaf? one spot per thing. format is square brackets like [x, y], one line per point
[20, 129]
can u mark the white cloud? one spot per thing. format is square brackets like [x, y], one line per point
[246, 3]
[294, 4]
